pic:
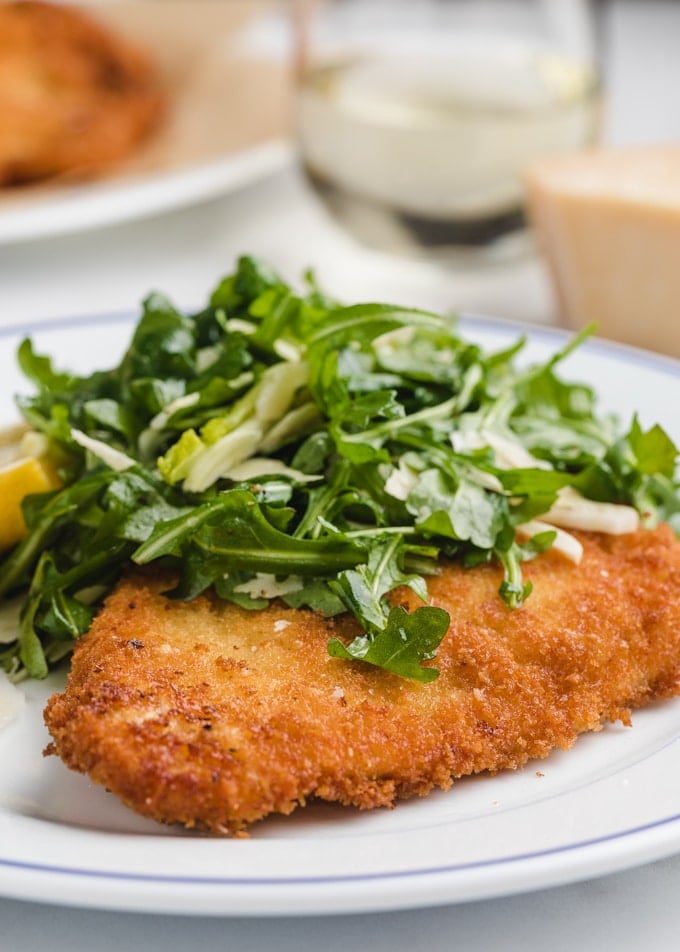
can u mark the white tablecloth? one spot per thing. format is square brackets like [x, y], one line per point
[183, 253]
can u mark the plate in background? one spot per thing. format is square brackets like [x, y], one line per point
[224, 66]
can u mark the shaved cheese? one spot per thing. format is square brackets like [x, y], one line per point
[573, 511]
[401, 481]
[10, 442]
[265, 585]
[294, 423]
[238, 325]
[566, 544]
[394, 339]
[464, 440]
[279, 384]
[287, 351]
[150, 438]
[181, 403]
[223, 455]
[34, 444]
[12, 700]
[206, 357]
[264, 466]
[114, 459]
[510, 454]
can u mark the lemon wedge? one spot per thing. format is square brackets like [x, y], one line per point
[18, 479]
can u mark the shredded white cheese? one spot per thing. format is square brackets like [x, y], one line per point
[401, 481]
[287, 351]
[291, 424]
[265, 585]
[264, 466]
[12, 700]
[223, 456]
[510, 454]
[394, 339]
[11, 438]
[9, 620]
[237, 324]
[113, 458]
[180, 403]
[279, 384]
[573, 511]
[565, 543]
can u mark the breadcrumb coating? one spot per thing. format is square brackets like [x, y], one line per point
[211, 716]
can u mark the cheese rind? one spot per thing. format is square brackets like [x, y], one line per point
[608, 222]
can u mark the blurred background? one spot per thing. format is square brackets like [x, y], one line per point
[384, 143]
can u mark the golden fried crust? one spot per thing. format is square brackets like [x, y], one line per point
[74, 98]
[206, 714]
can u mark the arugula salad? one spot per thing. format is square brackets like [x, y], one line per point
[282, 445]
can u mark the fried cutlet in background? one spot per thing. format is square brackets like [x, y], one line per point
[208, 715]
[74, 97]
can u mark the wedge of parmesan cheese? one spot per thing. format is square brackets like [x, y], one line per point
[608, 222]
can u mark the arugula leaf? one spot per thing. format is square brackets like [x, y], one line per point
[232, 530]
[362, 590]
[317, 595]
[394, 640]
[653, 452]
[163, 344]
[464, 511]
[39, 369]
[402, 645]
[404, 423]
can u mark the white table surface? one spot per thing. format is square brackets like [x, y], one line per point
[183, 253]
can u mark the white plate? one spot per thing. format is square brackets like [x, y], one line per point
[54, 212]
[67, 210]
[222, 65]
[610, 803]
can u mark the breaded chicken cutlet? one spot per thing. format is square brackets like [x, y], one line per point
[208, 715]
[74, 97]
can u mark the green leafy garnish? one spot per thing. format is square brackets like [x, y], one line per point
[281, 445]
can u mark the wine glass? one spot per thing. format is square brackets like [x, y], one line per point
[415, 120]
